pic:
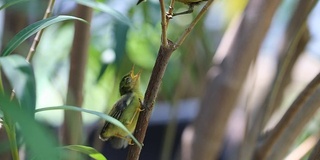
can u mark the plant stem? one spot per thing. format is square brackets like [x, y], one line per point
[11, 132]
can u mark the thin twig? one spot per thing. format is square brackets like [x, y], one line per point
[170, 11]
[193, 23]
[164, 25]
[39, 34]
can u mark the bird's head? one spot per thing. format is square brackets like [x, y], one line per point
[129, 82]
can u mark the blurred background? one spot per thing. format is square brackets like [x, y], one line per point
[116, 44]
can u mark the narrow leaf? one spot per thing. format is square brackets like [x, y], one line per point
[99, 114]
[91, 152]
[32, 29]
[10, 3]
[104, 8]
[21, 77]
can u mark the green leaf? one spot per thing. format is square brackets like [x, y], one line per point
[104, 8]
[99, 114]
[91, 152]
[1, 83]
[21, 77]
[40, 143]
[32, 29]
[10, 3]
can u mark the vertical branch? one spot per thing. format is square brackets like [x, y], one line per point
[150, 97]
[224, 83]
[72, 127]
[39, 34]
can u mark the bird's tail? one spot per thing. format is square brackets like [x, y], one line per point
[118, 143]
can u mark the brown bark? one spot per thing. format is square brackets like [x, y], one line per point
[150, 96]
[72, 128]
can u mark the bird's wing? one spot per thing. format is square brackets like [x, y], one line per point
[118, 109]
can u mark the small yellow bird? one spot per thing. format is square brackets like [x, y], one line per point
[126, 110]
[190, 3]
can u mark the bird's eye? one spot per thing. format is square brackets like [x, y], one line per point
[128, 80]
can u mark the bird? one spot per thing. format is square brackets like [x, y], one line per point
[126, 110]
[190, 3]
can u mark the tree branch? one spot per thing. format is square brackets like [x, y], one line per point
[159, 68]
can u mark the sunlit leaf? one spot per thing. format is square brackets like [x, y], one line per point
[9, 3]
[91, 152]
[21, 77]
[99, 114]
[32, 29]
[104, 8]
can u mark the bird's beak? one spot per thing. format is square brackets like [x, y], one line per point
[133, 76]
